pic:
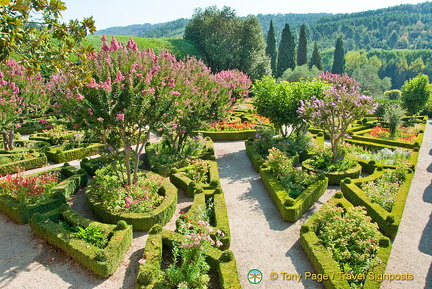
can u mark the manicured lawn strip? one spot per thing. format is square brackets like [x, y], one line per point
[322, 261]
[388, 222]
[139, 221]
[291, 209]
[102, 262]
[223, 261]
[21, 213]
[58, 155]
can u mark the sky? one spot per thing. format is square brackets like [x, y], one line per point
[110, 13]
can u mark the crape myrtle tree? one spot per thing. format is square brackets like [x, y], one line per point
[341, 105]
[416, 93]
[21, 95]
[279, 102]
[133, 92]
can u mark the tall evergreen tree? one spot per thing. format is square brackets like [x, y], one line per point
[271, 49]
[338, 58]
[316, 58]
[286, 55]
[302, 47]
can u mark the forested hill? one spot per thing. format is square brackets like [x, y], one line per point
[398, 27]
[401, 27]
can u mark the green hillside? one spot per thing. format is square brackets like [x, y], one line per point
[179, 47]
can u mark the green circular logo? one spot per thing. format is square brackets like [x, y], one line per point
[255, 276]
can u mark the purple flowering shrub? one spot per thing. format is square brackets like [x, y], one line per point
[341, 105]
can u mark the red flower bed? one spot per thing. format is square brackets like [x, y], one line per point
[404, 134]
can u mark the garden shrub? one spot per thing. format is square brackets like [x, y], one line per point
[87, 245]
[342, 239]
[58, 155]
[388, 222]
[151, 275]
[152, 200]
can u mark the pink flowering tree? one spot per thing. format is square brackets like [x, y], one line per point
[341, 105]
[22, 94]
[202, 98]
[133, 92]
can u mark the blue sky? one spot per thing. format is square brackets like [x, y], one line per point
[109, 13]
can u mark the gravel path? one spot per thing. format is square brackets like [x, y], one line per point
[412, 247]
[260, 238]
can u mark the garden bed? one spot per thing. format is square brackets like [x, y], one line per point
[21, 213]
[291, 209]
[334, 178]
[153, 156]
[103, 260]
[179, 178]
[323, 262]
[388, 222]
[221, 261]
[140, 221]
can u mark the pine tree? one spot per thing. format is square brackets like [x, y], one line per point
[316, 58]
[339, 58]
[286, 55]
[271, 47]
[302, 47]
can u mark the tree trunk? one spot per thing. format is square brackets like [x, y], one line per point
[8, 140]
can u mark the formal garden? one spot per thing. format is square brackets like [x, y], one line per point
[143, 126]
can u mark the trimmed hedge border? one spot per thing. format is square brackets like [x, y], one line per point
[322, 261]
[41, 136]
[189, 186]
[21, 213]
[228, 135]
[388, 222]
[139, 221]
[58, 155]
[102, 262]
[222, 261]
[334, 178]
[27, 164]
[291, 209]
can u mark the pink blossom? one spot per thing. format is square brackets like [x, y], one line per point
[80, 96]
[119, 77]
[101, 119]
[43, 121]
[75, 126]
[120, 116]
[128, 200]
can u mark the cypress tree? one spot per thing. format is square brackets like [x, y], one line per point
[286, 55]
[339, 58]
[302, 47]
[271, 47]
[316, 58]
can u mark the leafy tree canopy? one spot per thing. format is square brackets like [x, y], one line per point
[32, 30]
